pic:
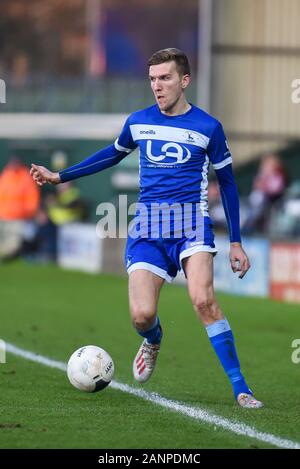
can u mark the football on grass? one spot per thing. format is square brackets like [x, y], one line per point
[90, 368]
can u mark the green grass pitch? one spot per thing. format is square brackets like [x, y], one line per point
[53, 312]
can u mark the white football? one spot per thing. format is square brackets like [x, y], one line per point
[90, 368]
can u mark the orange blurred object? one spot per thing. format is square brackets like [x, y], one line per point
[19, 195]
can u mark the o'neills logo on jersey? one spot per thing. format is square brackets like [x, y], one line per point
[147, 132]
[171, 153]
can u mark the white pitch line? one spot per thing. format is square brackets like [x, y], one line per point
[195, 413]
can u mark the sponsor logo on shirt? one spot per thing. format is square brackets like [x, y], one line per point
[171, 154]
[150, 132]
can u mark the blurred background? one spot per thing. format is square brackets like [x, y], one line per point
[74, 70]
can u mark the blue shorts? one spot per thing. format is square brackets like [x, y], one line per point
[163, 256]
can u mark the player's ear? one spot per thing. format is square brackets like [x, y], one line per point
[185, 81]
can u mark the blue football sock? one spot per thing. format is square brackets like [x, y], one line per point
[222, 340]
[154, 334]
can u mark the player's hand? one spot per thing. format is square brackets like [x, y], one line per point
[238, 259]
[41, 175]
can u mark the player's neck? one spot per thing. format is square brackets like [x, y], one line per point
[180, 107]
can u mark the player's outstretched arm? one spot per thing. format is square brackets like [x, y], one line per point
[102, 159]
[42, 175]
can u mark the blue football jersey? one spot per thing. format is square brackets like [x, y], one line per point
[175, 153]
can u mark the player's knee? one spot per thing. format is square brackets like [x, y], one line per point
[205, 305]
[207, 309]
[142, 318]
[202, 304]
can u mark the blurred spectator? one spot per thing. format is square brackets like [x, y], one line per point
[68, 206]
[285, 218]
[64, 206]
[268, 187]
[38, 238]
[19, 195]
[38, 242]
[19, 203]
[20, 69]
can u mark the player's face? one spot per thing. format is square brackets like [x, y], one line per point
[167, 85]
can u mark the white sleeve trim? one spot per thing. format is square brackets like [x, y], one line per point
[223, 163]
[120, 148]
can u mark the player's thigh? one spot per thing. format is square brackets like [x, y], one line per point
[144, 288]
[199, 273]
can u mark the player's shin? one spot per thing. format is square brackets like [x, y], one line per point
[222, 340]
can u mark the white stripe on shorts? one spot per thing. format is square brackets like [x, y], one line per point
[151, 268]
[190, 251]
